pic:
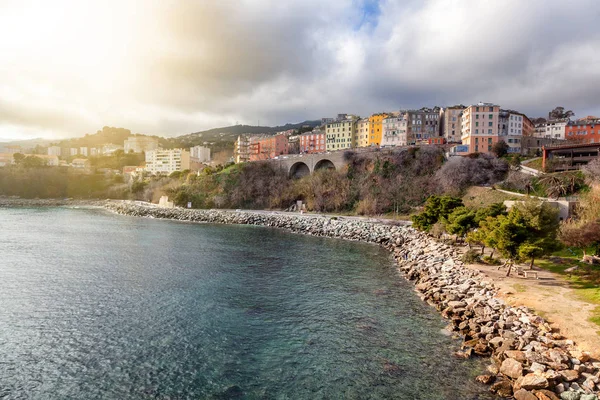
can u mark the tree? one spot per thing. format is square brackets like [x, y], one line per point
[581, 235]
[18, 157]
[460, 221]
[500, 148]
[560, 113]
[541, 220]
[436, 208]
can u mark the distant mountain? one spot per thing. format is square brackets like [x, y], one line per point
[230, 133]
[27, 144]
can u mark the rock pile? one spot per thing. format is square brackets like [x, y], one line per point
[529, 361]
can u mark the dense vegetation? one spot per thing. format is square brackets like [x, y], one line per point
[371, 184]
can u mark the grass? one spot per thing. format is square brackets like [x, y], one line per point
[478, 197]
[535, 164]
[584, 281]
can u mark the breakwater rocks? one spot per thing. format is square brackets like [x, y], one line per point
[528, 360]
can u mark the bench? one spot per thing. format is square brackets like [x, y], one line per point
[533, 274]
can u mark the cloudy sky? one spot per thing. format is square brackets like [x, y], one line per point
[168, 67]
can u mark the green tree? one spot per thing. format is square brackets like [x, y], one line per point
[436, 208]
[460, 221]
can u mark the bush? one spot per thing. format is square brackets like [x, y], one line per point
[490, 260]
[471, 257]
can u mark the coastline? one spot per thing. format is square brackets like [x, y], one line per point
[21, 202]
[527, 357]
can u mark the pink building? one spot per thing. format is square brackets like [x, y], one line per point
[480, 127]
[312, 142]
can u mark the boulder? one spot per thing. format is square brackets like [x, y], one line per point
[569, 375]
[512, 368]
[533, 381]
[570, 395]
[523, 394]
[516, 354]
[544, 394]
[502, 388]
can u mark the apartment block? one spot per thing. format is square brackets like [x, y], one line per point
[139, 144]
[339, 134]
[241, 150]
[200, 154]
[267, 147]
[554, 129]
[585, 130]
[449, 121]
[361, 136]
[164, 162]
[54, 151]
[394, 131]
[312, 142]
[423, 125]
[480, 127]
[376, 129]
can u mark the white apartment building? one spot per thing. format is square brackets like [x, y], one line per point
[54, 151]
[164, 162]
[83, 151]
[140, 144]
[395, 130]
[552, 129]
[200, 154]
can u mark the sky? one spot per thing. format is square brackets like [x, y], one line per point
[171, 67]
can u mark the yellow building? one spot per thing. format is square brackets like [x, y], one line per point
[376, 129]
[361, 137]
[340, 134]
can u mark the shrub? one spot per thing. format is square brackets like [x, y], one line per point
[471, 257]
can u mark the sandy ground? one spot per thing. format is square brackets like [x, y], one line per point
[552, 298]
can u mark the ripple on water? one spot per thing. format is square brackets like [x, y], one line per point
[96, 306]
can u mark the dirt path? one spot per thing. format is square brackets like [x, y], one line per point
[552, 298]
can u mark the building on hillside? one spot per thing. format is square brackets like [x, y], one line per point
[361, 135]
[140, 144]
[268, 147]
[480, 127]
[312, 142]
[376, 129]
[50, 161]
[449, 122]
[54, 151]
[165, 162]
[423, 124]
[512, 126]
[585, 130]
[339, 134]
[109, 149]
[73, 151]
[394, 131]
[532, 146]
[6, 159]
[200, 154]
[11, 149]
[293, 146]
[241, 149]
[83, 151]
[80, 163]
[325, 121]
[554, 129]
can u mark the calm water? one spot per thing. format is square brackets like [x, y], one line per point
[97, 306]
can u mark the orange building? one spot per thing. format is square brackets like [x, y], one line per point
[265, 148]
[585, 130]
[376, 128]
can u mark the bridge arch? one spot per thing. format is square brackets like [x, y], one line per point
[324, 164]
[299, 169]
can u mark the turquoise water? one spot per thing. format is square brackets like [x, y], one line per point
[99, 306]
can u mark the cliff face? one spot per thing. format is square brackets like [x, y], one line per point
[528, 359]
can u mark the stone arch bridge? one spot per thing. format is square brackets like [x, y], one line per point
[299, 165]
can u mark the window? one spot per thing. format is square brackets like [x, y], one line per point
[476, 116]
[491, 109]
[489, 124]
[476, 131]
[490, 140]
[476, 123]
[491, 116]
[476, 108]
[490, 131]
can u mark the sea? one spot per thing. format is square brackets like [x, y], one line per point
[99, 306]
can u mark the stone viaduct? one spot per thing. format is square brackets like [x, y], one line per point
[299, 165]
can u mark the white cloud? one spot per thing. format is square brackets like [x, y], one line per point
[174, 67]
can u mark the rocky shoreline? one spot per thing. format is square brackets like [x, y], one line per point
[528, 360]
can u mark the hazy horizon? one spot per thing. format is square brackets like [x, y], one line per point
[171, 68]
